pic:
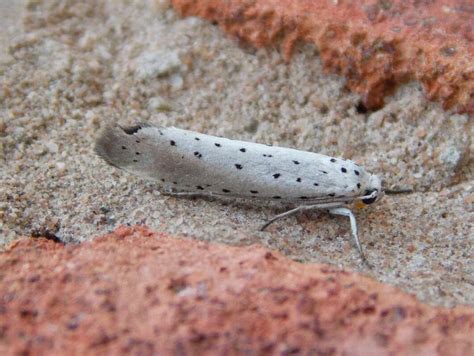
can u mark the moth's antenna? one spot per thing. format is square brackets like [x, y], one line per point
[395, 191]
[398, 191]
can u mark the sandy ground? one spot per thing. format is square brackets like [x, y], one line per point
[10, 16]
[78, 65]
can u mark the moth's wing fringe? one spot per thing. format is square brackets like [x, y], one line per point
[107, 145]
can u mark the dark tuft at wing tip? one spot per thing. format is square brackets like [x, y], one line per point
[130, 130]
[115, 143]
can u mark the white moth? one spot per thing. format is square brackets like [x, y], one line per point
[190, 163]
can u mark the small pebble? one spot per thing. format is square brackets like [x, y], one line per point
[157, 64]
[61, 167]
[52, 147]
[451, 157]
[157, 103]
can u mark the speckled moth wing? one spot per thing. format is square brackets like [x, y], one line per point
[195, 162]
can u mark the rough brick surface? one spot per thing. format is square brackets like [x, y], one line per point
[376, 45]
[135, 291]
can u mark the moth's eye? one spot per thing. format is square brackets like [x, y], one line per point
[371, 200]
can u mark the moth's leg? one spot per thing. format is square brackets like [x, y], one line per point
[184, 194]
[169, 192]
[346, 212]
[282, 215]
[297, 209]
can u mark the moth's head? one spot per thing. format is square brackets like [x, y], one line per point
[374, 189]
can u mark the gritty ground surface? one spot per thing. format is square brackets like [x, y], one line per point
[143, 293]
[10, 15]
[375, 44]
[82, 64]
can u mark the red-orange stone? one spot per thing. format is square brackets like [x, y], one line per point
[139, 292]
[375, 44]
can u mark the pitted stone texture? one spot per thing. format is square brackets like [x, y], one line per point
[139, 292]
[374, 44]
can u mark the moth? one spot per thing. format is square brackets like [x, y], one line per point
[188, 163]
